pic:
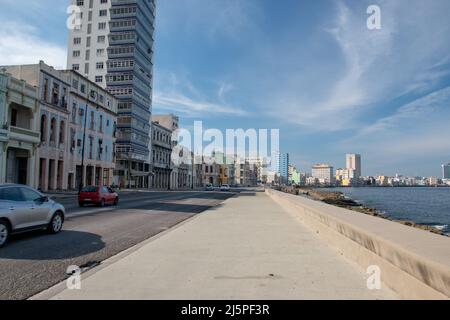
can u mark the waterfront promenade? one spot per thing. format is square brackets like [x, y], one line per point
[249, 247]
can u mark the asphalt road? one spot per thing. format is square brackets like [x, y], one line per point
[33, 262]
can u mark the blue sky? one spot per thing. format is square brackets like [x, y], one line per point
[310, 68]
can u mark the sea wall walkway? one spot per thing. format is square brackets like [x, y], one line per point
[414, 263]
[250, 247]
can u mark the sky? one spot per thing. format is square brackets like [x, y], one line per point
[309, 68]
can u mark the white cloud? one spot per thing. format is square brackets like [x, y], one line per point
[370, 68]
[187, 107]
[421, 109]
[21, 44]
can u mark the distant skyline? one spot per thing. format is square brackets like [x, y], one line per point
[310, 68]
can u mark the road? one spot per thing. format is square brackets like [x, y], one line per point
[33, 262]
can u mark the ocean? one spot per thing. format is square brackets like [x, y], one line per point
[427, 206]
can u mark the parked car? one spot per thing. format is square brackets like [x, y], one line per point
[209, 187]
[98, 195]
[225, 187]
[23, 208]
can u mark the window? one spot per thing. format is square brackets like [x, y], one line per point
[45, 90]
[92, 120]
[101, 124]
[29, 195]
[83, 88]
[80, 3]
[98, 79]
[100, 52]
[43, 128]
[74, 113]
[103, 13]
[62, 129]
[76, 67]
[76, 53]
[13, 117]
[11, 194]
[103, 1]
[99, 65]
[53, 130]
[76, 40]
[101, 39]
[102, 26]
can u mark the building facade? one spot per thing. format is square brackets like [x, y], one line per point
[19, 134]
[446, 171]
[161, 156]
[53, 87]
[354, 165]
[113, 47]
[92, 126]
[323, 173]
[284, 167]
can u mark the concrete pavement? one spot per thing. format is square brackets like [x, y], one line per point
[247, 248]
[33, 262]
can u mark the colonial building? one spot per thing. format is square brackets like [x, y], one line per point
[53, 86]
[19, 136]
[92, 124]
[161, 156]
[182, 167]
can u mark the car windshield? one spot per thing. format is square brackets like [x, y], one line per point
[90, 189]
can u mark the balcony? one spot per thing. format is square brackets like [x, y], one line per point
[24, 135]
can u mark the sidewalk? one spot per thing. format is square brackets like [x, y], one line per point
[248, 248]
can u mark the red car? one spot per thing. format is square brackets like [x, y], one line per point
[100, 196]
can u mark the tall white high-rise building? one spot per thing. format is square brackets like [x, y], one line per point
[354, 164]
[113, 47]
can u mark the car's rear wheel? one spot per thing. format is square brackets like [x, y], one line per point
[56, 223]
[4, 233]
[116, 201]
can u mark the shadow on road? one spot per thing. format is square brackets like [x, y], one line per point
[40, 246]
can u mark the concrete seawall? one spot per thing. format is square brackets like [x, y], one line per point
[414, 263]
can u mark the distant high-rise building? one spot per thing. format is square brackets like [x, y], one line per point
[446, 171]
[113, 47]
[324, 173]
[283, 171]
[354, 163]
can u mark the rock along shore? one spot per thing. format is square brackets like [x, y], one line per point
[340, 200]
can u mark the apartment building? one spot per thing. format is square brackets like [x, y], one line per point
[113, 46]
[53, 87]
[92, 126]
[323, 173]
[19, 133]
